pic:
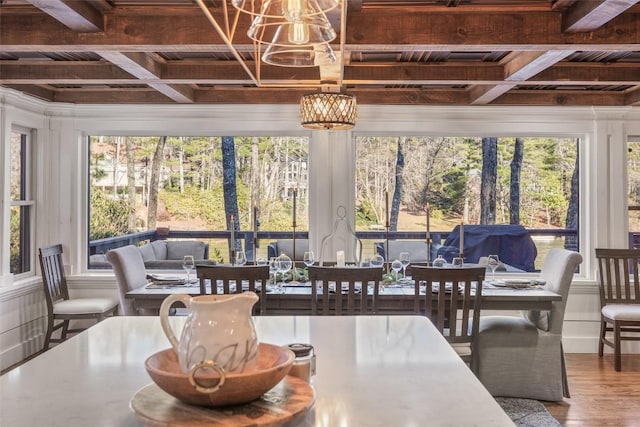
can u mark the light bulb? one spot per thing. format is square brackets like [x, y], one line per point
[298, 33]
[294, 10]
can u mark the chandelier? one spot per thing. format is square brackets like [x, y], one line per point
[293, 33]
[328, 111]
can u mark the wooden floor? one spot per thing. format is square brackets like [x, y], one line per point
[600, 396]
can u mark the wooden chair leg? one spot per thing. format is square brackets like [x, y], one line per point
[603, 331]
[617, 350]
[65, 328]
[47, 337]
[565, 379]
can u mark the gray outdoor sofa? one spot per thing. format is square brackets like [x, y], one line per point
[163, 254]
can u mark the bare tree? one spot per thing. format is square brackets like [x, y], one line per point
[514, 187]
[154, 183]
[116, 166]
[397, 191]
[131, 183]
[229, 188]
[489, 177]
[571, 242]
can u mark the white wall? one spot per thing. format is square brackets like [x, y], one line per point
[62, 152]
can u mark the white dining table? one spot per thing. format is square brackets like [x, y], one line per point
[371, 371]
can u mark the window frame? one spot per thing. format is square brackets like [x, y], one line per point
[27, 200]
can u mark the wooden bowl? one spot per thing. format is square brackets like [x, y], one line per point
[272, 366]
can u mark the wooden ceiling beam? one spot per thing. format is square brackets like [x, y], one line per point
[525, 65]
[486, 94]
[230, 72]
[632, 97]
[368, 30]
[585, 16]
[364, 96]
[35, 91]
[77, 15]
[144, 67]
[561, 98]
[518, 67]
[495, 31]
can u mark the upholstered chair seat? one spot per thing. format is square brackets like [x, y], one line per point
[521, 356]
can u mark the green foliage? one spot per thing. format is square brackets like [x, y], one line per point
[365, 215]
[108, 217]
[14, 241]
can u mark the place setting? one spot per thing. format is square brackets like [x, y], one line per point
[162, 281]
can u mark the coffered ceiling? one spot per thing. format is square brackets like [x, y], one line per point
[434, 52]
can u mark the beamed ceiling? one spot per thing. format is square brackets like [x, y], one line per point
[432, 52]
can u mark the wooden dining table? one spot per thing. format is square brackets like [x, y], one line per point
[296, 299]
[371, 371]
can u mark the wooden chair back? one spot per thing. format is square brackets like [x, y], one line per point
[350, 285]
[619, 282]
[451, 305]
[255, 276]
[54, 279]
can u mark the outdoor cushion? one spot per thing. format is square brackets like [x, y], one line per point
[147, 252]
[178, 249]
[159, 248]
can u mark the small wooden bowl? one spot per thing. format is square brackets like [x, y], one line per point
[272, 366]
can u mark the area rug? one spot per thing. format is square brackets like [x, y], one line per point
[527, 412]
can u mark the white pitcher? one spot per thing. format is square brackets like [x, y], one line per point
[219, 330]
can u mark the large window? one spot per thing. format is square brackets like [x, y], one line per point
[22, 204]
[633, 200]
[195, 183]
[530, 182]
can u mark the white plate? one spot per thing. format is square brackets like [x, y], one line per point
[518, 283]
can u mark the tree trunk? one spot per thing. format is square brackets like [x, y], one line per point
[488, 183]
[131, 184]
[116, 166]
[397, 191]
[514, 186]
[181, 167]
[154, 183]
[229, 188]
[571, 242]
[255, 189]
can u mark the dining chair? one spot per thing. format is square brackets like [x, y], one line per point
[451, 302]
[350, 283]
[128, 266]
[255, 276]
[619, 299]
[522, 356]
[60, 307]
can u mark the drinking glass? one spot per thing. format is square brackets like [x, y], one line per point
[241, 258]
[188, 264]
[285, 265]
[439, 262]
[405, 259]
[493, 262]
[261, 261]
[308, 258]
[396, 266]
[377, 261]
[457, 262]
[274, 268]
